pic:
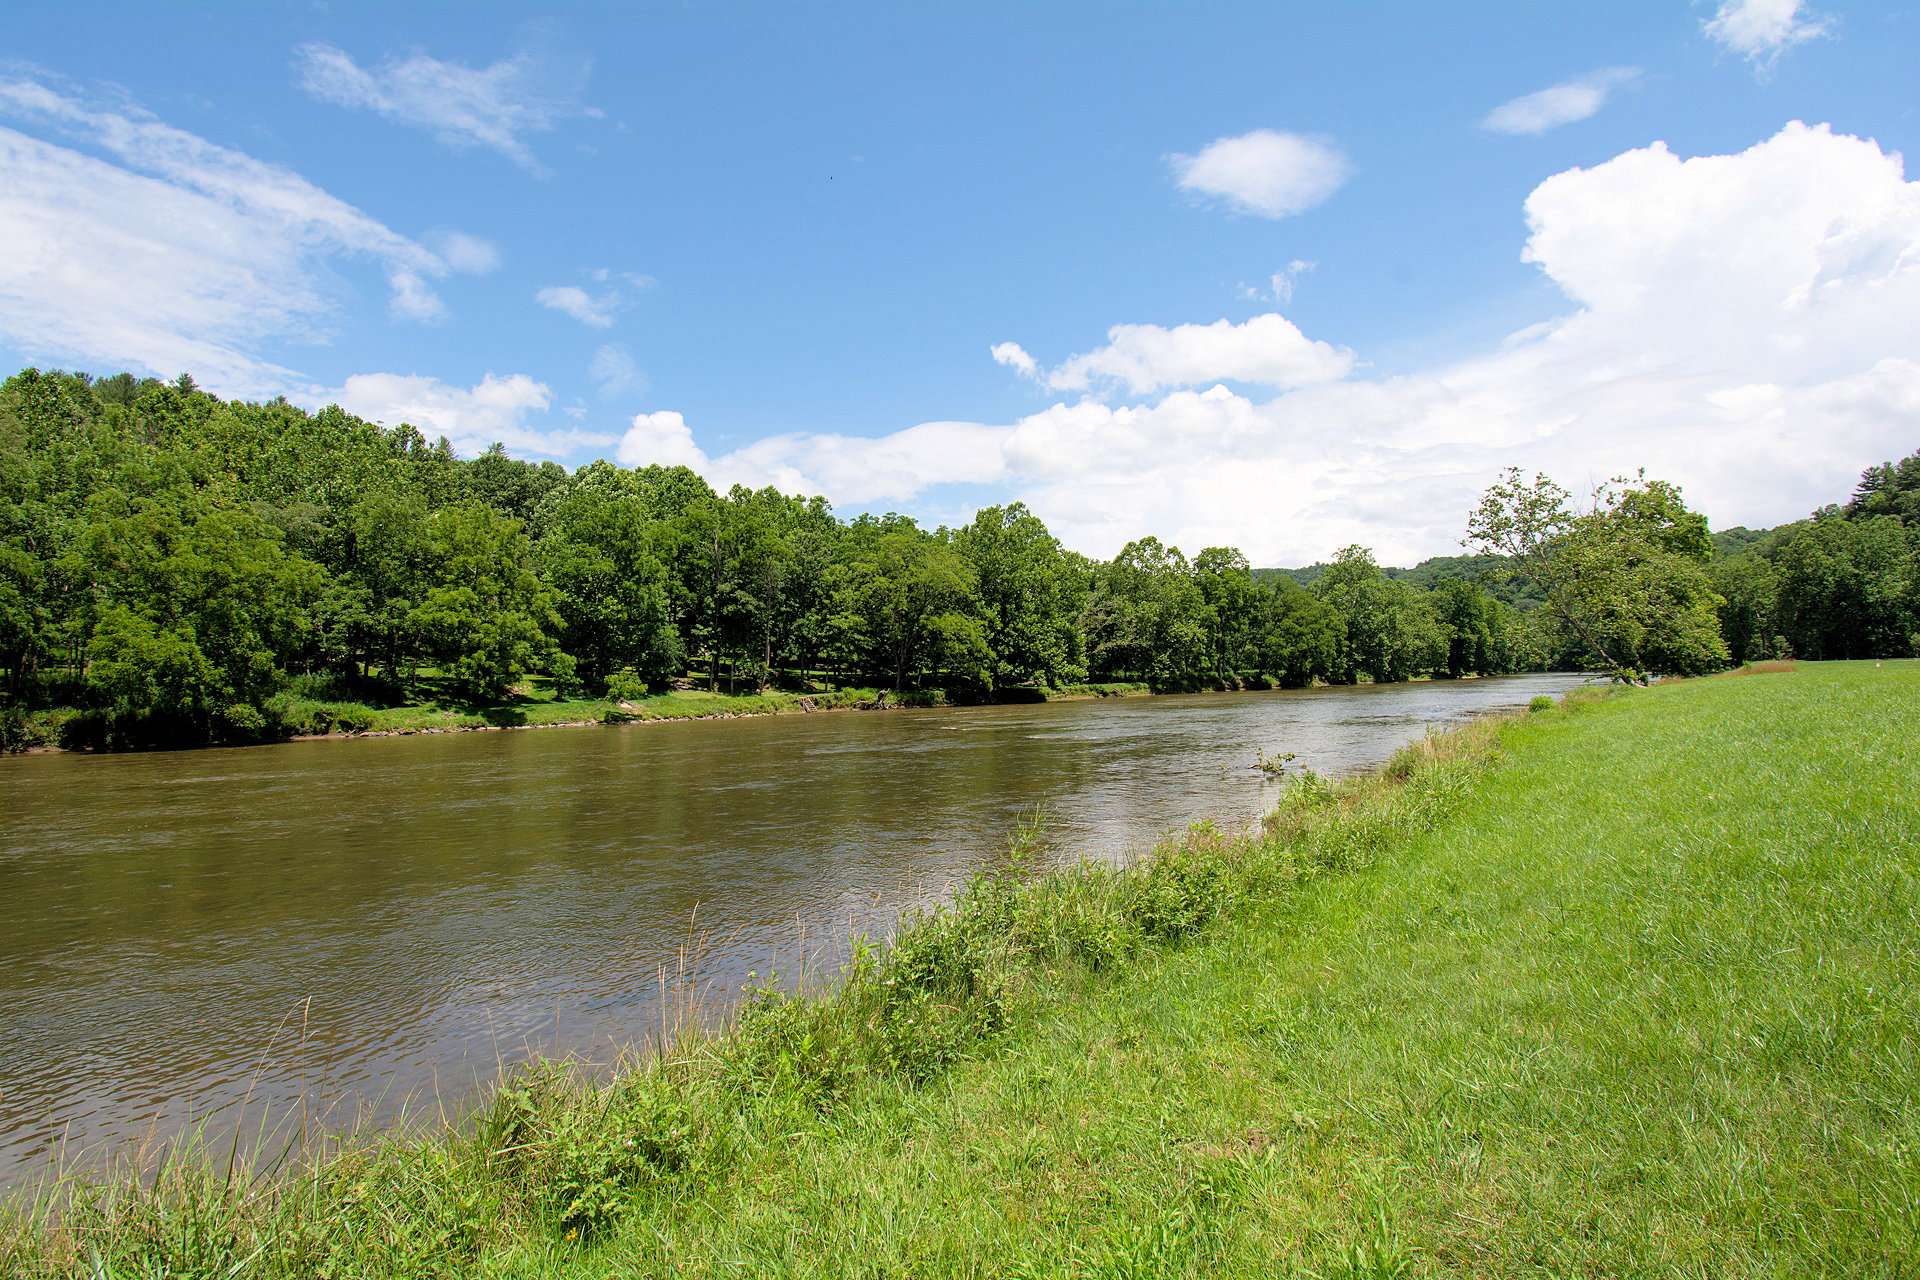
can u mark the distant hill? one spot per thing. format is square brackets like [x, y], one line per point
[1431, 572]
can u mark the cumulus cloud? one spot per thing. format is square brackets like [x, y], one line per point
[1268, 349]
[168, 252]
[495, 410]
[1266, 173]
[495, 106]
[661, 438]
[1563, 103]
[1762, 30]
[596, 311]
[1015, 357]
[1747, 325]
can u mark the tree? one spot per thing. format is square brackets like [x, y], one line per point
[1031, 594]
[610, 589]
[1232, 610]
[905, 603]
[1627, 577]
[1469, 618]
[1146, 618]
[1749, 591]
[1889, 489]
[487, 617]
[1299, 636]
[1845, 588]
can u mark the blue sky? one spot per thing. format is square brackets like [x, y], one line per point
[783, 243]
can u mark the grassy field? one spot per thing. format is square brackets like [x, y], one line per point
[1629, 987]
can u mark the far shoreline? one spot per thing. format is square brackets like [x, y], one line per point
[441, 721]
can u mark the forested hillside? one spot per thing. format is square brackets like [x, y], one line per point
[175, 567]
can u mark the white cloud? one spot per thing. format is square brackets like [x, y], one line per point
[1282, 282]
[663, 438]
[472, 418]
[414, 299]
[1015, 357]
[495, 106]
[1747, 325]
[1564, 103]
[172, 252]
[606, 275]
[614, 371]
[1267, 173]
[1267, 349]
[587, 308]
[1762, 30]
[465, 253]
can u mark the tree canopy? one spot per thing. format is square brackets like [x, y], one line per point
[173, 564]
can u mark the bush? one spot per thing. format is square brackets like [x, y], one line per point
[624, 686]
[1541, 702]
[19, 731]
[307, 717]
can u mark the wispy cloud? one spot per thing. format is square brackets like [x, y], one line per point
[589, 309]
[614, 371]
[168, 252]
[1564, 103]
[466, 253]
[1266, 173]
[1762, 30]
[496, 107]
[597, 310]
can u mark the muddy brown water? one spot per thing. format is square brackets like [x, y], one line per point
[354, 926]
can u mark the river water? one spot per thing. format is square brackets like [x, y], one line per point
[354, 926]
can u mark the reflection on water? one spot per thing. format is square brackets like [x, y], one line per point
[358, 922]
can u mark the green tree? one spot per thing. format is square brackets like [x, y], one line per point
[1299, 636]
[487, 618]
[1146, 618]
[1627, 578]
[906, 604]
[1846, 588]
[1231, 611]
[1031, 594]
[610, 589]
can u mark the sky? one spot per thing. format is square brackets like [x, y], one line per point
[1278, 276]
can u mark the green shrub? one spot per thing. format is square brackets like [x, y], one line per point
[1541, 702]
[624, 686]
[20, 730]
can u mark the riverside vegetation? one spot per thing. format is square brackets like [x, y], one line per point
[177, 569]
[1561, 993]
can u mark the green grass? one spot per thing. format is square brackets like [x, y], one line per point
[1621, 988]
[539, 703]
[1068, 692]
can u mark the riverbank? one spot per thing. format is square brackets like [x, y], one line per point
[1565, 991]
[540, 706]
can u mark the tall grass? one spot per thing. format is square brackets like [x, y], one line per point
[557, 1159]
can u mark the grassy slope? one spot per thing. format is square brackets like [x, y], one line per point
[1647, 1005]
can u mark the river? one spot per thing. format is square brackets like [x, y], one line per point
[357, 925]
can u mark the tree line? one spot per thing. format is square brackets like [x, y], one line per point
[172, 564]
